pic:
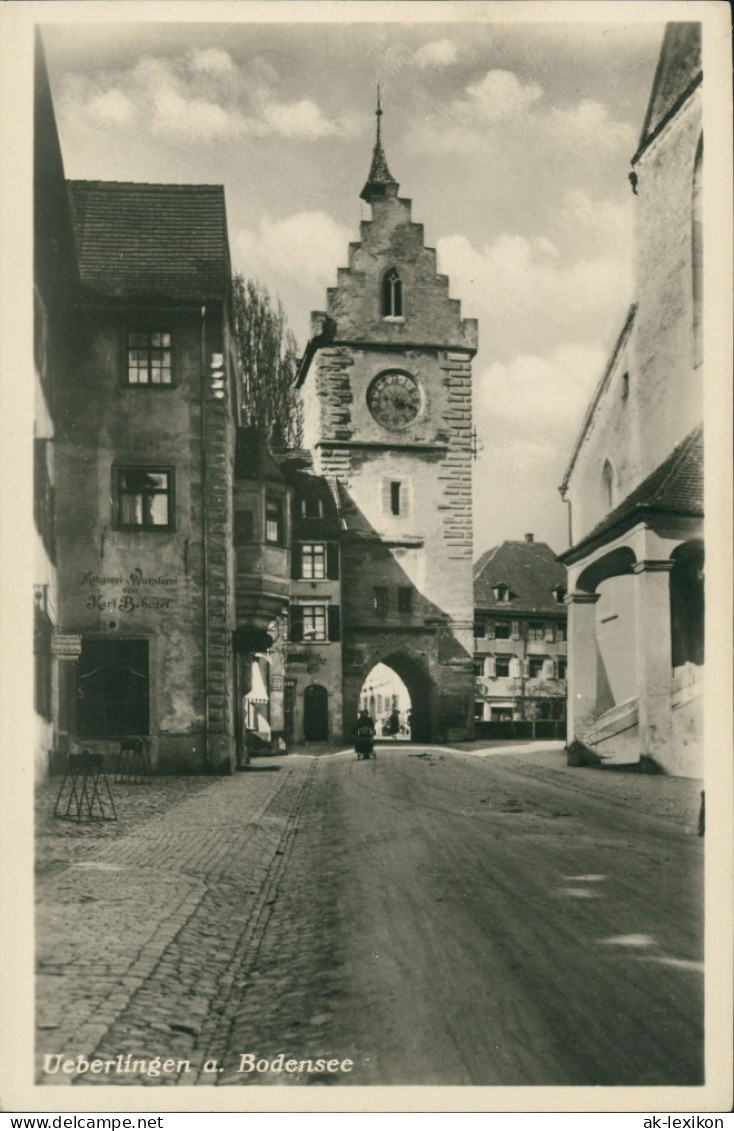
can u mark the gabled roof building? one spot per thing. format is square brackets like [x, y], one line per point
[634, 482]
[520, 641]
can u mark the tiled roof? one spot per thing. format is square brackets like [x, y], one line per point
[159, 242]
[252, 459]
[678, 71]
[674, 487]
[529, 569]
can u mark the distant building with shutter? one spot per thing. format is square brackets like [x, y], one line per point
[634, 482]
[520, 641]
[314, 662]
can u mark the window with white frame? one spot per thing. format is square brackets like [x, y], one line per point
[149, 357]
[313, 561]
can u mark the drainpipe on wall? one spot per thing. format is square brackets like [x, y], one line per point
[205, 536]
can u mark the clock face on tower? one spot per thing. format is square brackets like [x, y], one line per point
[394, 399]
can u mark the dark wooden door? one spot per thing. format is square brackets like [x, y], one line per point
[315, 713]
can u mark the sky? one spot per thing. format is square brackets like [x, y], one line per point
[512, 140]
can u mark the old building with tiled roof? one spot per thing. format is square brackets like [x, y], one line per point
[520, 641]
[634, 482]
[146, 401]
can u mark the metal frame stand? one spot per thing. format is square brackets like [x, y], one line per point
[84, 776]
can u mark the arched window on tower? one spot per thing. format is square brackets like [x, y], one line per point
[697, 257]
[607, 478]
[392, 295]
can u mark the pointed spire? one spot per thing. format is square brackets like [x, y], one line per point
[379, 177]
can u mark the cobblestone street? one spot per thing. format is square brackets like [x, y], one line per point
[434, 916]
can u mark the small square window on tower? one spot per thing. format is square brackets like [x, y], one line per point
[395, 497]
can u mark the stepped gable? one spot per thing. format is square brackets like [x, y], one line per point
[529, 569]
[159, 242]
[392, 241]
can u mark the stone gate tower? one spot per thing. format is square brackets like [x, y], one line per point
[387, 389]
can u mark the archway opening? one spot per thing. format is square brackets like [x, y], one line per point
[406, 678]
[386, 698]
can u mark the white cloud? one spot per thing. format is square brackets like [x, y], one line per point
[201, 95]
[530, 298]
[544, 395]
[501, 103]
[303, 119]
[498, 96]
[306, 247]
[589, 124]
[211, 60]
[438, 53]
[111, 107]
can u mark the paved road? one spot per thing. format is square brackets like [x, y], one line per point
[471, 921]
[438, 918]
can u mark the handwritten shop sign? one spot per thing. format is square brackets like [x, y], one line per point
[129, 593]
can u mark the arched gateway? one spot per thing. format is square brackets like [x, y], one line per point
[418, 685]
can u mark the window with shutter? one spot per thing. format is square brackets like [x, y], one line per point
[295, 622]
[296, 561]
[490, 667]
[380, 601]
[405, 599]
[332, 561]
[334, 623]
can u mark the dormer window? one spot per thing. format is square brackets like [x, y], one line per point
[559, 593]
[312, 508]
[501, 593]
[392, 295]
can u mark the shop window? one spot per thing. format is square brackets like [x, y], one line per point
[392, 295]
[144, 498]
[112, 685]
[149, 357]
